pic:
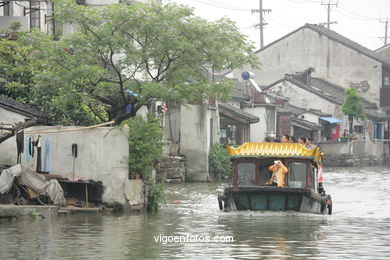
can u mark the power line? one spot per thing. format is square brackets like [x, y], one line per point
[356, 13]
[262, 22]
[222, 7]
[328, 7]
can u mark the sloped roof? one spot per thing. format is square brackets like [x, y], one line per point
[305, 124]
[251, 149]
[336, 37]
[322, 88]
[20, 108]
[237, 114]
[376, 115]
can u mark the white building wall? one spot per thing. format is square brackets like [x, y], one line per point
[331, 60]
[258, 130]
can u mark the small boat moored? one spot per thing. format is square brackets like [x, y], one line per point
[259, 185]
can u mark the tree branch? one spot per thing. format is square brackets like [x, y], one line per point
[17, 127]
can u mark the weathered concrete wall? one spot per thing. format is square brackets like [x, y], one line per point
[195, 138]
[331, 60]
[355, 153]
[352, 160]
[102, 156]
[8, 148]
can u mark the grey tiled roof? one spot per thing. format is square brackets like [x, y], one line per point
[377, 115]
[20, 108]
[306, 124]
[238, 112]
[322, 88]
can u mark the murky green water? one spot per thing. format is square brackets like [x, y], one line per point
[358, 229]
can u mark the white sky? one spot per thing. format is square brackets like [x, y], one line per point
[357, 20]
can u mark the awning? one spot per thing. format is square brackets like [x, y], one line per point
[331, 120]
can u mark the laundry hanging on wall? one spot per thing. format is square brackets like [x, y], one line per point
[19, 146]
[38, 144]
[28, 148]
[47, 156]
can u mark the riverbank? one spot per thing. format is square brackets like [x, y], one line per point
[46, 211]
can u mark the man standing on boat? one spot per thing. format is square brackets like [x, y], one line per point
[278, 174]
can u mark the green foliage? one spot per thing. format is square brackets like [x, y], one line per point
[156, 196]
[145, 145]
[15, 26]
[219, 162]
[353, 104]
[128, 54]
[17, 68]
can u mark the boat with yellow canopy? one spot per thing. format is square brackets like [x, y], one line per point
[276, 177]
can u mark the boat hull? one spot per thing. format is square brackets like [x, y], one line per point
[271, 198]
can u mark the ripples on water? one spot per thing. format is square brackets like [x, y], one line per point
[358, 229]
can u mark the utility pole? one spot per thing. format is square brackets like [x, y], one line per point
[261, 23]
[386, 22]
[328, 7]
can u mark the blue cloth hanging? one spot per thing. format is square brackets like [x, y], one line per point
[47, 156]
[28, 147]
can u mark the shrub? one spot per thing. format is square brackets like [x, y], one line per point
[145, 145]
[219, 162]
[156, 196]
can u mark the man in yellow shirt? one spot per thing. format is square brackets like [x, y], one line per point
[278, 174]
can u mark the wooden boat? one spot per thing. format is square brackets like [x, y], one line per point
[301, 190]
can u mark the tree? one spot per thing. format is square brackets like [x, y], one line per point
[353, 107]
[125, 56]
[16, 70]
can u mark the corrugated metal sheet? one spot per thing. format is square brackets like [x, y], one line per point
[296, 150]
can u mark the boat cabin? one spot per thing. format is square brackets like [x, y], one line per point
[251, 162]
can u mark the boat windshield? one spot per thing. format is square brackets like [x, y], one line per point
[297, 175]
[247, 174]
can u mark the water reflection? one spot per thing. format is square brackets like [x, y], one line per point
[358, 229]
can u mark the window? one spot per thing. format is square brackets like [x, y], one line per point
[246, 174]
[270, 119]
[6, 8]
[35, 15]
[297, 175]
[386, 81]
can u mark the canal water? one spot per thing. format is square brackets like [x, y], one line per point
[358, 229]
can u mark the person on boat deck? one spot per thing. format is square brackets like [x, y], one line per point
[308, 143]
[284, 138]
[278, 174]
[301, 140]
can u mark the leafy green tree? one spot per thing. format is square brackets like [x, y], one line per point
[16, 70]
[353, 107]
[122, 57]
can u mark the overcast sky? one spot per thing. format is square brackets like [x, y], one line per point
[357, 20]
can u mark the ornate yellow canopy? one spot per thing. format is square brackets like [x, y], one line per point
[294, 150]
